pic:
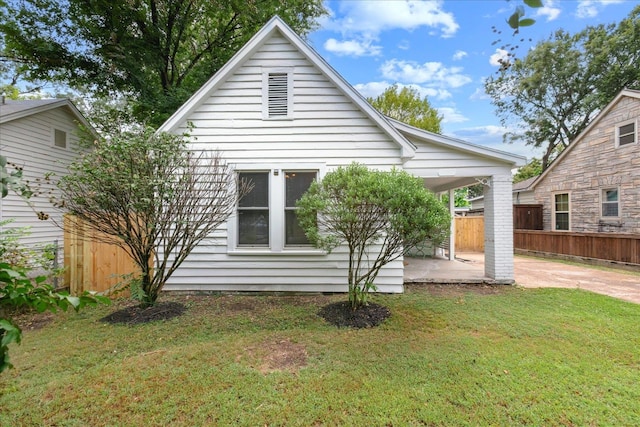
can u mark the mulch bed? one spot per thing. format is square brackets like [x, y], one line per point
[342, 315]
[135, 314]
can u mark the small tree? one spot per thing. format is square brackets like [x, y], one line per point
[378, 215]
[151, 196]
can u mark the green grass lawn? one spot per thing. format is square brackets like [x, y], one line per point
[447, 356]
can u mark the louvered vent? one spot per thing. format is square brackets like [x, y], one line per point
[278, 95]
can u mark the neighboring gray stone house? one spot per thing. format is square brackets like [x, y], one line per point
[594, 185]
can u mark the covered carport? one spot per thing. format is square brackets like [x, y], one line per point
[446, 164]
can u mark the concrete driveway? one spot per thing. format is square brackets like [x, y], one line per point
[539, 273]
[529, 272]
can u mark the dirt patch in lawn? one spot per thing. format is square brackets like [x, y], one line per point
[31, 320]
[342, 315]
[277, 355]
[135, 314]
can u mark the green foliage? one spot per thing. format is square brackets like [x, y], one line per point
[17, 289]
[151, 196]
[158, 53]
[517, 19]
[405, 105]
[378, 215]
[460, 198]
[551, 94]
[531, 169]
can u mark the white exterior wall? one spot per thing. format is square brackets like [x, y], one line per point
[29, 143]
[327, 130]
[498, 229]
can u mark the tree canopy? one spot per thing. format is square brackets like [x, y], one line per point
[157, 52]
[552, 93]
[406, 105]
[378, 216]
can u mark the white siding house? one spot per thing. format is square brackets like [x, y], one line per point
[41, 137]
[282, 116]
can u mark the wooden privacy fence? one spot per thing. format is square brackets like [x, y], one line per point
[623, 248]
[91, 265]
[469, 233]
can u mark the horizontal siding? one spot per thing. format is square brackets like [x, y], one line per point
[28, 143]
[326, 127]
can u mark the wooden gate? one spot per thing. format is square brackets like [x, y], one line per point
[89, 264]
[469, 233]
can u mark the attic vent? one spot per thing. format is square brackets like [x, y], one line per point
[278, 94]
[60, 138]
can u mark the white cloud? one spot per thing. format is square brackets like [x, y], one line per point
[591, 8]
[479, 94]
[429, 72]
[549, 11]
[451, 115]
[352, 47]
[404, 45]
[498, 56]
[370, 18]
[373, 89]
[459, 55]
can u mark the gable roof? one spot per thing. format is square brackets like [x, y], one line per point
[16, 109]
[276, 24]
[630, 93]
[458, 144]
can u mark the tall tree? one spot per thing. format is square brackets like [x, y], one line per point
[407, 106]
[552, 93]
[158, 52]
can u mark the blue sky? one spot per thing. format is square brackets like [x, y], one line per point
[444, 49]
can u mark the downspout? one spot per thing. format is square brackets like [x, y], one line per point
[452, 229]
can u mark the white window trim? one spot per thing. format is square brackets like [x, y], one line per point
[53, 138]
[553, 211]
[265, 92]
[276, 211]
[636, 133]
[610, 218]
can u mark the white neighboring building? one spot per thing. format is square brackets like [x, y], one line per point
[41, 136]
[282, 117]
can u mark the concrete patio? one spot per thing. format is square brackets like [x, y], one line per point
[529, 272]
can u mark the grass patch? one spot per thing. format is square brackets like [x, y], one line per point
[507, 356]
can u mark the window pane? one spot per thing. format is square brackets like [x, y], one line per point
[562, 221]
[610, 209]
[258, 197]
[296, 185]
[627, 129]
[627, 139]
[294, 233]
[562, 202]
[611, 195]
[253, 227]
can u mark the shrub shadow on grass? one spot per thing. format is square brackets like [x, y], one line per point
[341, 314]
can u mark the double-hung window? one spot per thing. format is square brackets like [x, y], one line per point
[610, 203]
[626, 133]
[266, 218]
[561, 219]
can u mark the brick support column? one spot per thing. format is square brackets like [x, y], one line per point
[498, 229]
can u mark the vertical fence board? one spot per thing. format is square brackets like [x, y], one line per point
[469, 233]
[91, 265]
[610, 247]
